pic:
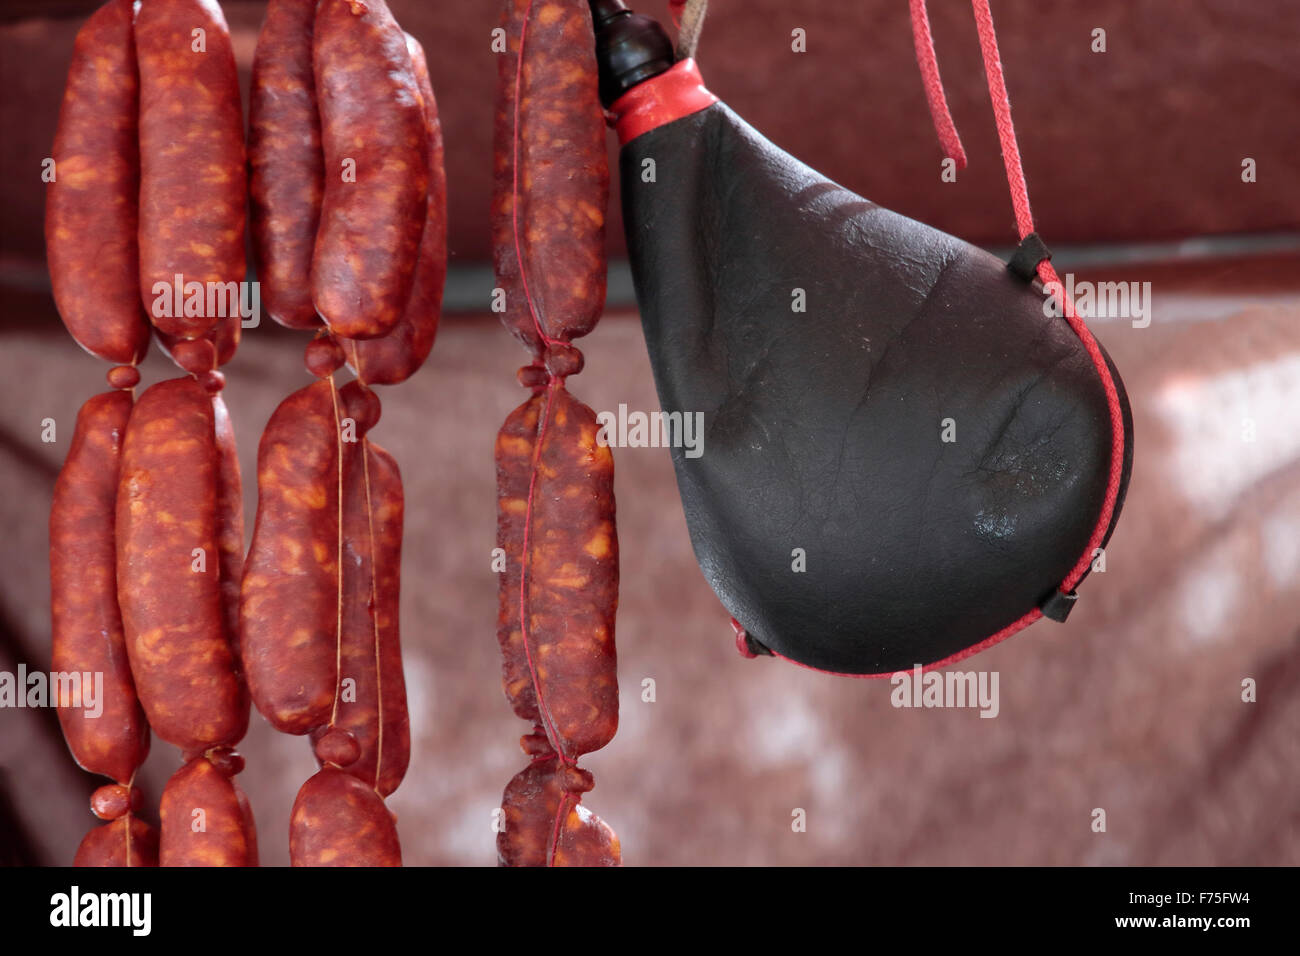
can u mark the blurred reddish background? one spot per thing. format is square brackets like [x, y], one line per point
[1144, 141]
[1133, 159]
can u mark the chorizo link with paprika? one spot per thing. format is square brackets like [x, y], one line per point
[286, 161]
[387, 504]
[369, 653]
[87, 633]
[230, 537]
[168, 569]
[514, 456]
[126, 841]
[551, 173]
[546, 823]
[569, 570]
[203, 822]
[339, 821]
[230, 523]
[395, 357]
[376, 168]
[289, 601]
[193, 188]
[250, 827]
[91, 210]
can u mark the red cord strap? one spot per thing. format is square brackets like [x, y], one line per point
[951, 145]
[949, 141]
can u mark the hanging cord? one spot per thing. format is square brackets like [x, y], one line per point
[688, 17]
[1002, 116]
[949, 141]
[952, 148]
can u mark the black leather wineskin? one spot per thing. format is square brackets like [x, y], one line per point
[824, 428]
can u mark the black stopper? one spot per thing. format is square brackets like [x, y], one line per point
[1058, 605]
[630, 48]
[1031, 251]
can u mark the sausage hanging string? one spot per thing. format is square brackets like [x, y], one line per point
[338, 552]
[374, 577]
[374, 603]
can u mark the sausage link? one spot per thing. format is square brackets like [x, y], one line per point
[115, 800]
[356, 708]
[387, 503]
[289, 601]
[373, 707]
[224, 336]
[514, 456]
[286, 161]
[395, 357]
[192, 178]
[339, 821]
[87, 624]
[323, 355]
[126, 841]
[569, 568]
[171, 603]
[585, 839]
[551, 182]
[517, 316]
[366, 247]
[250, 826]
[203, 822]
[546, 825]
[230, 523]
[91, 211]
[230, 537]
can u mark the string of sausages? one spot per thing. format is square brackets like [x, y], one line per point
[146, 204]
[555, 481]
[150, 587]
[348, 188]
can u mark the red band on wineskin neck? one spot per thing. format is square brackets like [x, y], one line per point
[669, 96]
